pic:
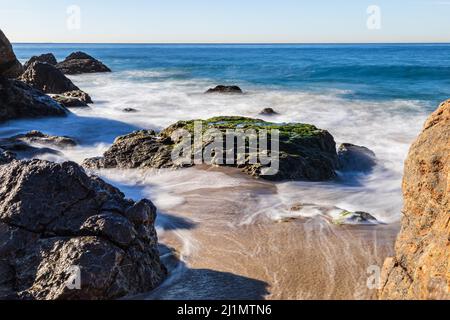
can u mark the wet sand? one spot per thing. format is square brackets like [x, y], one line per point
[221, 244]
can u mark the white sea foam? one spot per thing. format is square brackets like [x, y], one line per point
[163, 97]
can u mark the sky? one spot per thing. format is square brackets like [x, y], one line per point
[231, 21]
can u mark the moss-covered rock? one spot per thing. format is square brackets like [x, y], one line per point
[305, 152]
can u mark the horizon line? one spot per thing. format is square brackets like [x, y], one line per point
[233, 43]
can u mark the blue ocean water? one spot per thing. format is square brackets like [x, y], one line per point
[376, 96]
[369, 71]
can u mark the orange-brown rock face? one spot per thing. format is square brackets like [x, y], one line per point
[421, 267]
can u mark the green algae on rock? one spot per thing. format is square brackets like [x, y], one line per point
[304, 151]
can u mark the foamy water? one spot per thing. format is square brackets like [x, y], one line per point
[225, 228]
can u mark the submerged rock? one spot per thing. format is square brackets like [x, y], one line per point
[80, 62]
[421, 266]
[358, 217]
[19, 100]
[268, 112]
[356, 158]
[130, 110]
[306, 152]
[41, 138]
[225, 89]
[58, 224]
[10, 67]
[47, 78]
[44, 58]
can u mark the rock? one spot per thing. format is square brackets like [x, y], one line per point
[130, 110]
[41, 138]
[73, 99]
[10, 67]
[358, 217]
[80, 95]
[69, 102]
[306, 153]
[47, 78]
[44, 58]
[140, 149]
[421, 266]
[19, 100]
[58, 223]
[6, 156]
[268, 112]
[356, 158]
[225, 89]
[80, 62]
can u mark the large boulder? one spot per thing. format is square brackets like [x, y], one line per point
[47, 78]
[225, 89]
[19, 100]
[306, 152]
[356, 158]
[421, 266]
[10, 67]
[79, 63]
[44, 58]
[67, 235]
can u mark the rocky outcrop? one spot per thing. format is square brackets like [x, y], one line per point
[10, 67]
[67, 235]
[19, 100]
[306, 153]
[47, 78]
[356, 158]
[44, 58]
[79, 63]
[421, 266]
[225, 89]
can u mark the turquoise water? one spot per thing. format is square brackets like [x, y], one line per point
[415, 71]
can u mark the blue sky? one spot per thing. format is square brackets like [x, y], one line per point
[170, 21]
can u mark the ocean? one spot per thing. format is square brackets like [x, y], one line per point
[224, 227]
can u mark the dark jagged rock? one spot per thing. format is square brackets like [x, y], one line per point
[10, 67]
[356, 158]
[80, 62]
[47, 78]
[57, 223]
[268, 112]
[19, 100]
[225, 89]
[44, 58]
[306, 153]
